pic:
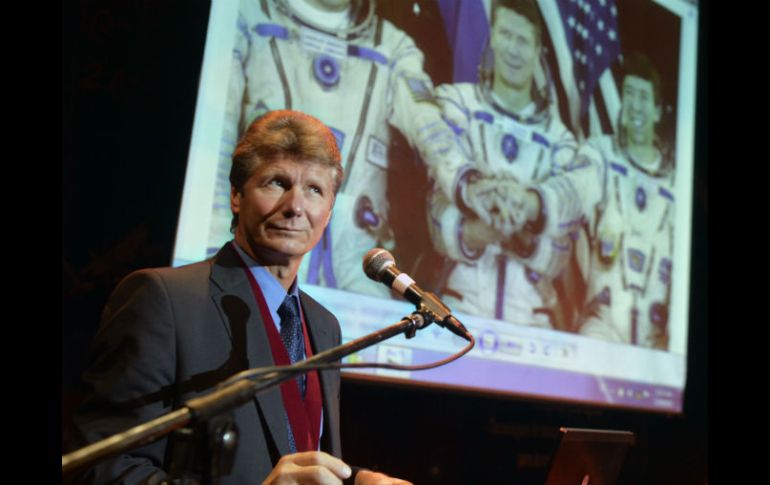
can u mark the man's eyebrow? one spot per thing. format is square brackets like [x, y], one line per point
[273, 169]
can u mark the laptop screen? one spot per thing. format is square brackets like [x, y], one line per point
[589, 457]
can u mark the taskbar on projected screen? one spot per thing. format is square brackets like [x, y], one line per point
[492, 376]
[511, 359]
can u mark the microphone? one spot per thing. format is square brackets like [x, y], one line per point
[380, 265]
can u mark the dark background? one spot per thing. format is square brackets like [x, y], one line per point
[130, 77]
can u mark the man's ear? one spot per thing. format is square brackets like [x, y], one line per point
[658, 113]
[235, 200]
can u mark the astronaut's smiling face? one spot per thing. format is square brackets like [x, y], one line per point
[516, 48]
[640, 113]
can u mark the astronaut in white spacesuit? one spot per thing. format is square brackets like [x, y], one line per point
[506, 255]
[338, 61]
[630, 281]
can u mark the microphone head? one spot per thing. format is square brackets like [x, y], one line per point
[376, 261]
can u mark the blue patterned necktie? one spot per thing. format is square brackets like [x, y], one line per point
[291, 334]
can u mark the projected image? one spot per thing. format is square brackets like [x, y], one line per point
[518, 159]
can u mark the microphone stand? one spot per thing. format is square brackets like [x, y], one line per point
[209, 449]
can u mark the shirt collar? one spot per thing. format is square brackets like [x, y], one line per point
[271, 288]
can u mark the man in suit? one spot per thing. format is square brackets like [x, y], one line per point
[168, 335]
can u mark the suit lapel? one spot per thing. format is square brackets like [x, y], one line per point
[232, 290]
[318, 328]
[321, 340]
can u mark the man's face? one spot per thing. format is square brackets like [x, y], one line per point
[514, 42]
[640, 113]
[284, 209]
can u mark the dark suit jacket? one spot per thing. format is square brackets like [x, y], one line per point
[168, 335]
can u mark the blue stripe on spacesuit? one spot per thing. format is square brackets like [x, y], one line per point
[484, 116]
[532, 275]
[488, 117]
[366, 53]
[454, 126]
[579, 220]
[244, 28]
[665, 193]
[272, 30]
[457, 105]
[619, 168]
[331, 281]
[281, 32]
[560, 247]
[538, 138]
[315, 263]
[321, 255]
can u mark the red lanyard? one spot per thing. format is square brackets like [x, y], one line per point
[304, 414]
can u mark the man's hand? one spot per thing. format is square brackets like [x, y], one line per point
[310, 467]
[367, 477]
